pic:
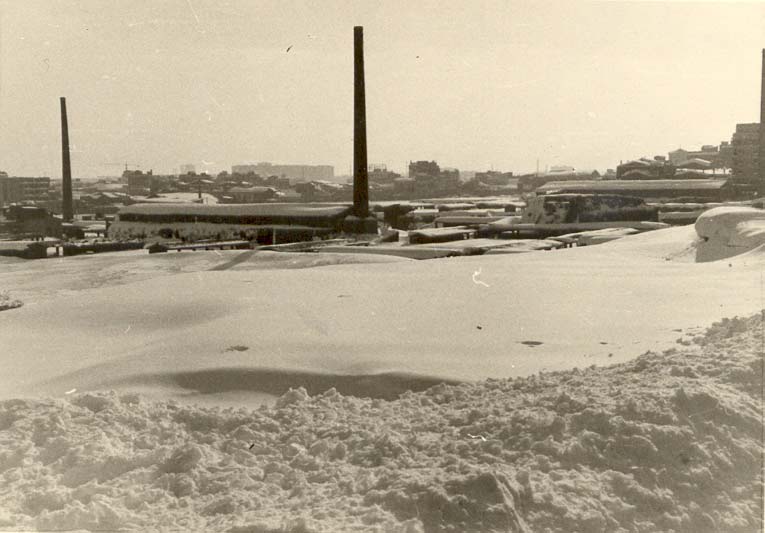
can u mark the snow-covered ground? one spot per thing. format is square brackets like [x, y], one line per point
[585, 438]
[665, 442]
[169, 325]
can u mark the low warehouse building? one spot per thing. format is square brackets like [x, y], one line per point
[701, 189]
[194, 222]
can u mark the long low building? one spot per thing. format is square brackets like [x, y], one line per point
[713, 189]
[222, 221]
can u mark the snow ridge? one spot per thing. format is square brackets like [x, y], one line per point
[666, 442]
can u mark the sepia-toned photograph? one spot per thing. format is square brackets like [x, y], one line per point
[328, 266]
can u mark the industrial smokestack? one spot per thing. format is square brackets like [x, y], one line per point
[360, 175]
[66, 166]
[761, 155]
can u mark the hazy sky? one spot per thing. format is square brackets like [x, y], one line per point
[471, 84]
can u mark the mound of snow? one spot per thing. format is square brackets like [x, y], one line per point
[666, 442]
[676, 244]
[729, 231]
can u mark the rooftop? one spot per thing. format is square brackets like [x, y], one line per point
[239, 209]
[633, 185]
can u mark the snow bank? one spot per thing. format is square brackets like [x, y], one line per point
[729, 231]
[666, 442]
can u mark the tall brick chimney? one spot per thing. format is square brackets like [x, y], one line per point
[360, 174]
[359, 221]
[66, 166]
[761, 155]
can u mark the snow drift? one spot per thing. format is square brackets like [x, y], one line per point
[666, 442]
[729, 231]
[110, 321]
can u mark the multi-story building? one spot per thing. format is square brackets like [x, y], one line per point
[382, 176]
[298, 173]
[426, 168]
[139, 184]
[746, 148]
[18, 189]
[431, 180]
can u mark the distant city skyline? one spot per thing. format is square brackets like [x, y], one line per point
[471, 85]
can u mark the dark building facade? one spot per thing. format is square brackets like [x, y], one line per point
[745, 143]
[432, 180]
[382, 176]
[19, 189]
[139, 184]
[24, 222]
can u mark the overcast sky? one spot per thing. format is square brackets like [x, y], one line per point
[471, 84]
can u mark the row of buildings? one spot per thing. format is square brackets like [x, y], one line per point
[736, 162]
[740, 155]
[295, 173]
[737, 159]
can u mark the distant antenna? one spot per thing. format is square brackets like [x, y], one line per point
[66, 166]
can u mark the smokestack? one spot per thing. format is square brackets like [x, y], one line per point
[761, 155]
[360, 176]
[66, 166]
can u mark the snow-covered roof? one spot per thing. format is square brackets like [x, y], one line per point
[638, 162]
[238, 209]
[695, 163]
[255, 189]
[638, 172]
[633, 185]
